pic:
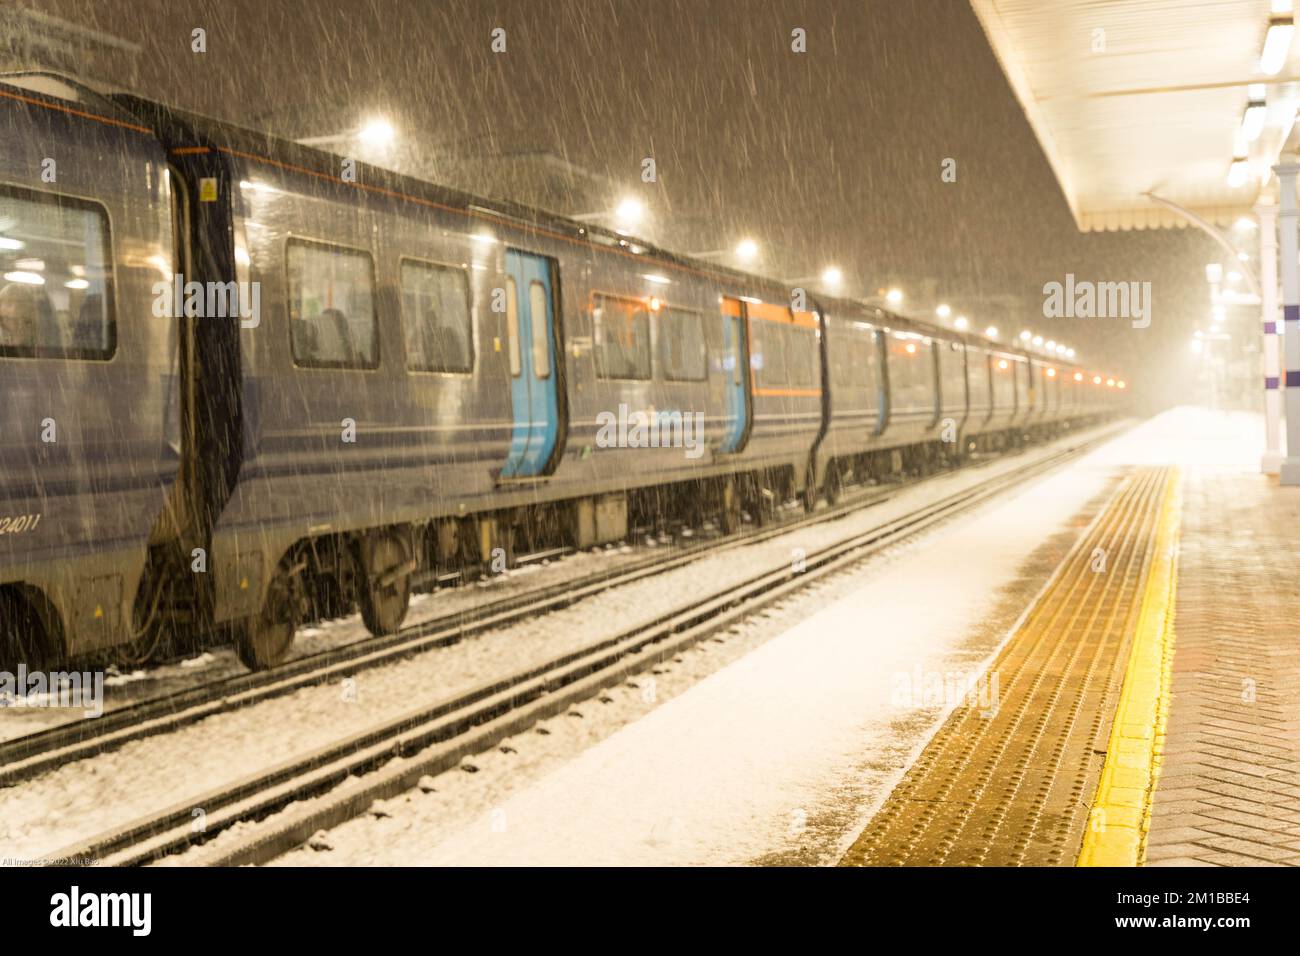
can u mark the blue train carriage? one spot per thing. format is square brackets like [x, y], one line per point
[430, 380]
[89, 427]
[382, 381]
[788, 400]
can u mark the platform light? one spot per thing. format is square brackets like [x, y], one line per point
[1069, 353]
[378, 132]
[1096, 380]
[1002, 364]
[1234, 276]
[943, 311]
[1277, 43]
[1120, 384]
[1026, 335]
[1050, 346]
[629, 211]
[656, 279]
[991, 332]
[1078, 376]
[747, 250]
[1062, 350]
[1038, 340]
[961, 323]
[1238, 172]
[894, 296]
[1051, 373]
[1244, 223]
[76, 284]
[655, 304]
[1252, 121]
[1110, 383]
[484, 238]
[12, 244]
[911, 348]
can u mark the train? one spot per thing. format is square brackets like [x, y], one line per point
[245, 383]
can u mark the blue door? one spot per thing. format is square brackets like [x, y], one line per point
[734, 366]
[530, 314]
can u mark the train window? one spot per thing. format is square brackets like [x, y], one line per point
[622, 334]
[331, 306]
[538, 307]
[771, 346]
[56, 297]
[802, 360]
[512, 326]
[436, 315]
[682, 353]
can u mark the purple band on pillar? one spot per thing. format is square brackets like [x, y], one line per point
[1270, 328]
[1293, 379]
[1270, 381]
[1291, 313]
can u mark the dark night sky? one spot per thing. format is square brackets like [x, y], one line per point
[831, 156]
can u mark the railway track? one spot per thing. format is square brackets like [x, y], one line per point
[22, 758]
[434, 737]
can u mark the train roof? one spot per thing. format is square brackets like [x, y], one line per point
[195, 130]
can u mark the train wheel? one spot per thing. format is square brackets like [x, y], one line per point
[386, 590]
[834, 483]
[729, 507]
[264, 639]
[24, 638]
[810, 497]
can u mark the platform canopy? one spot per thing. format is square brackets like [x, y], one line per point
[1129, 97]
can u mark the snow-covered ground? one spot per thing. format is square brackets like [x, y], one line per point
[83, 798]
[781, 753]
[127, 687]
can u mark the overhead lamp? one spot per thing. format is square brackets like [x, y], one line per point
[832, 276]
[961, 323]
[943, 311]
[1252, 121]
[629, 211]
[894, 296]
[1238, 172]
[991, 332]
[377, 132]
[1277, 44]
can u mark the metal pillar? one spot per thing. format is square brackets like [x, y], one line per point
[1272, 459]
[1287, 215]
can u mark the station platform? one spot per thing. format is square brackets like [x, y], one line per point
[1148, 706]
[1123, 635]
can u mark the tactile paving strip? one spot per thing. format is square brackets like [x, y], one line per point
[1012, 784]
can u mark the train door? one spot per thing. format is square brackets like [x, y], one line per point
[734, 364]
[530, 312]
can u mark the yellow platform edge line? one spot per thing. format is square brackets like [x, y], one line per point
[1121, 811]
